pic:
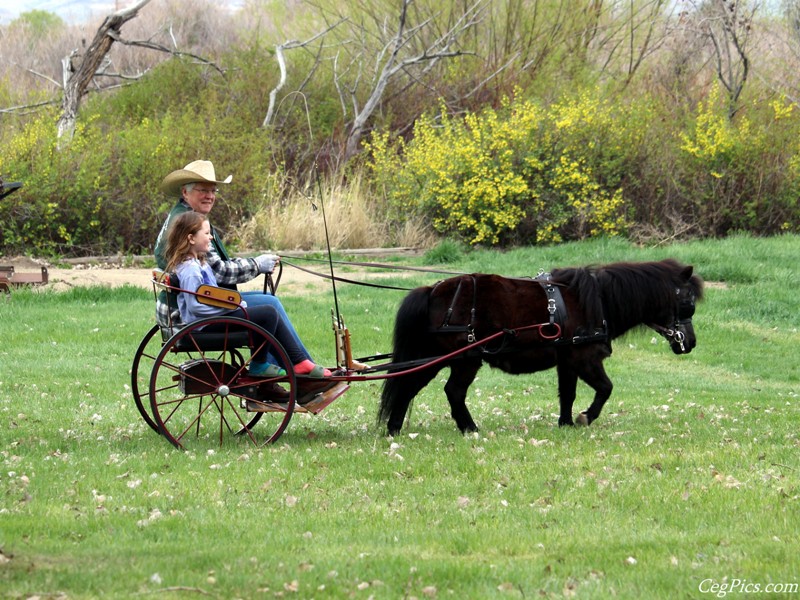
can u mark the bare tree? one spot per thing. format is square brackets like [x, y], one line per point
[79, 71]
[373, 52]
[781, 55]
[728, 24]
[392, 62]
[630, 34]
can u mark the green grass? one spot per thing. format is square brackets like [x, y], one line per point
[690, 474]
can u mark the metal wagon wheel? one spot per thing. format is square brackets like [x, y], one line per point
[199, 389]
[142, 368]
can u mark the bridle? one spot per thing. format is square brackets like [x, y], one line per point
[675, 334]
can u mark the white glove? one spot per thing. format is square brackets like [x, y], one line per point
[266, 262]
[242, 304]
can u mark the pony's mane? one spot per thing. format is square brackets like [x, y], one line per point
[583, 283]
[625, 294]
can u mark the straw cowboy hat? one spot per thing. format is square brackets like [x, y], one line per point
[194, 172]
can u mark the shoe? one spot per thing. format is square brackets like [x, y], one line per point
[272, 392]
[316, 373]
[307, 389]
[266, 370]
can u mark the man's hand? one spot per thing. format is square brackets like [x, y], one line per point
[266, 262]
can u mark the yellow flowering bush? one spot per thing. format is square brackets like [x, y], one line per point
[24, 222]
[60, 203]
[736, 176]
[485, 176]
[99, 194]
[714, 138]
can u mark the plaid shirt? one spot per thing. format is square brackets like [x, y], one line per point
[166, 316]
[228, 271]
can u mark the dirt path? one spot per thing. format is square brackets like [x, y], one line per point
[108, 274]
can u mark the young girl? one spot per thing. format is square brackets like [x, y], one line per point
[188, 240]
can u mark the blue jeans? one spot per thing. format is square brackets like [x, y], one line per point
[261, 299]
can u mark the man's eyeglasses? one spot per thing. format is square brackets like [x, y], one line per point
[206, 191]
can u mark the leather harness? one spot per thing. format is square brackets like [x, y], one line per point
[556, 308]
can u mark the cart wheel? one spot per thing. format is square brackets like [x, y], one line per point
[199, 389]
[142, 366]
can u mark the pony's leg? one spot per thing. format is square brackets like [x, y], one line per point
[567, 384]
[594, 374]
[462, 374]
[397, 395]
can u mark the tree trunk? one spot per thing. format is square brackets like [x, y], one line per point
[77, 79]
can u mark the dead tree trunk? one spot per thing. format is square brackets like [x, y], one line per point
[79, 74]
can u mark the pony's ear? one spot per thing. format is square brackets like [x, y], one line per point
[687, 272]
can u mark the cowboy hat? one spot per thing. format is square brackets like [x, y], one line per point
[194, 172]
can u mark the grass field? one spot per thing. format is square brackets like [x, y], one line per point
[687, 486]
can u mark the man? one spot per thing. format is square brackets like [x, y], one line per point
[196, 185]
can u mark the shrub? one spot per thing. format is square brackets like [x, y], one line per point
[553, 174]
[736, 176]
[445, 252]
[64, 193]
[100, 194]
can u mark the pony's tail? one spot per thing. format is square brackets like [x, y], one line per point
[411, 342]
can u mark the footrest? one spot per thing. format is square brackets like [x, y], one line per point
[310, 401]
[315, 402]
[258, 406]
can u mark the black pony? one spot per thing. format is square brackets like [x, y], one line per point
[565, 319]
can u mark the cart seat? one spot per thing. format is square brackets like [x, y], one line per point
[170, 324]
[209, 341]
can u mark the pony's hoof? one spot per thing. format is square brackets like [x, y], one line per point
[582, 420]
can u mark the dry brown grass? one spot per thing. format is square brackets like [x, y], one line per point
[354, 218]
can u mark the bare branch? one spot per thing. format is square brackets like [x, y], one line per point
[45, 77]
[435, 51]
[27, 107]
[728, 30]
[161, 48]
[279, 50]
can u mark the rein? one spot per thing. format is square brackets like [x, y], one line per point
[364, 283]
[378, 265]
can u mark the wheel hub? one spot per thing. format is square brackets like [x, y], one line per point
[223, 390]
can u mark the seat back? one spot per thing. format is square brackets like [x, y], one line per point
[165, 291]
[167, 287]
